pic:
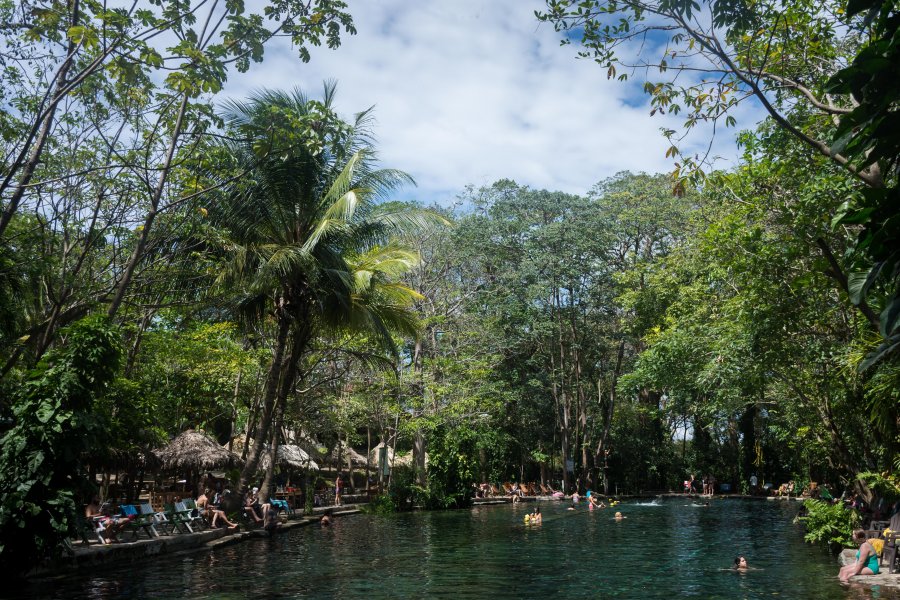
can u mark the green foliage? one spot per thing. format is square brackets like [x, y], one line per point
[380, 505]
[830, 523]
[131, 424]
[41, 479]
[722, 45]
[870, 136]
[451, 468]
[187, 372]
[403, 491]
[884, 485]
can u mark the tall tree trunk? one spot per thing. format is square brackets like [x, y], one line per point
[602, 451]
[747, 425]
[265, 490]
[141, 245]
[351, 485]
[368, 455]
[267, 403]
[419, 440]
[138, 337]
[234, 403]
[40, 132]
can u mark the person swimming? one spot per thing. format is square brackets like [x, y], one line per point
[619, 516]
[740, 563]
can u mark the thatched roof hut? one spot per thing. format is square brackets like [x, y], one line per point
[194, 450]
[340, 454]
[290, 455]
[394, 460]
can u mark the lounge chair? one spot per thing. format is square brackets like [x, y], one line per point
[195, 514]
[162, 522]
[147, 519]
[179, 516]
[88, 528]
[135, 521]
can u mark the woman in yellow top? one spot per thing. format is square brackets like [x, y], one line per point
[866, 559]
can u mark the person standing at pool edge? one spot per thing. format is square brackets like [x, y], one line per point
[337, 491]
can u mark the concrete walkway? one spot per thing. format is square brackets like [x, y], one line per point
[883, 579]
[140, 550]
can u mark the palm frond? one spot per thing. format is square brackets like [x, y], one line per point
[410, 222]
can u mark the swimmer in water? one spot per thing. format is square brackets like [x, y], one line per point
[619, 516]
[740, 563]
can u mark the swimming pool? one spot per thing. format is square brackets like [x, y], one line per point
[663, 549]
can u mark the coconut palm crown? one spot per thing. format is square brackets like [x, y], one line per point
[307, 240]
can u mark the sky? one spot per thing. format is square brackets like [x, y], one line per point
[472, 91]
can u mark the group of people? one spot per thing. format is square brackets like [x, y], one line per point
[262, 513]
[593, 501]
[210, 509]
[207, 505]
[706, 485]
[534, 517]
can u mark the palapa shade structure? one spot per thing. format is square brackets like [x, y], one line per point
[195, 451]
[355, 457]
[394, 460]
[289, 455]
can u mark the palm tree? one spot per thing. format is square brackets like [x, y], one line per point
[307, 243]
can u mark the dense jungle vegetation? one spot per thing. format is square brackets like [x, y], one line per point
[169, 260]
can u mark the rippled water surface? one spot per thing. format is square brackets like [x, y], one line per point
[668, 549]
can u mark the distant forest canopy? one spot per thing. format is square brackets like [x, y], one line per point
[169, 261]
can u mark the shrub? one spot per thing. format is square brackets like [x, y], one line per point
[42, 479]
[403, 491]
[451, 468]
[380, 505]
[830, 523]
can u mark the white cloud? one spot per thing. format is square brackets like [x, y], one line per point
[472, 91]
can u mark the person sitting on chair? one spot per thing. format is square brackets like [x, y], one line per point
[252, 506]
[107, 526]
[211, 512]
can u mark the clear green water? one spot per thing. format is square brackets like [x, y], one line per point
[668, 550]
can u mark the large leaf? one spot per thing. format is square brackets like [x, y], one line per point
[860, 282]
